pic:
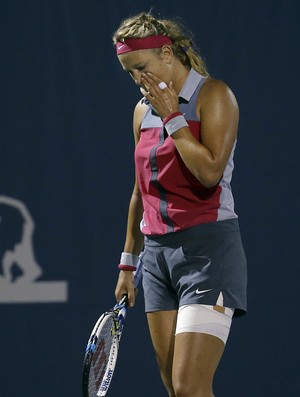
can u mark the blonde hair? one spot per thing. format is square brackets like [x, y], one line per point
[145, 24]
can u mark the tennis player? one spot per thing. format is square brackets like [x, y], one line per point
[181, 223]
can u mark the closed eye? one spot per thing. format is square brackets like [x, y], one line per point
[137, 68]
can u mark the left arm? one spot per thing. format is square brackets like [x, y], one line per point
[218, 110]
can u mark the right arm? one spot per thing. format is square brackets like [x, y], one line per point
[134, 239]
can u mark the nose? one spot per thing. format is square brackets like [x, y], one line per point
[136, 76]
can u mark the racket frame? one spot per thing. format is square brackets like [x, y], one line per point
[118, 313]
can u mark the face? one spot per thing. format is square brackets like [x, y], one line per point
[137, 62]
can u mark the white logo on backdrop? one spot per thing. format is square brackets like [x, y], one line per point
[19, 269]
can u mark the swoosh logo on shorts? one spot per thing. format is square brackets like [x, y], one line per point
[198, 292]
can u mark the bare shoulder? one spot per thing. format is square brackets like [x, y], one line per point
[140, 109]
[218, 110]
[139, 112]
[217, 92]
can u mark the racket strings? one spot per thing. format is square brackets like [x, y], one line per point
[101, 355]
[102, 351]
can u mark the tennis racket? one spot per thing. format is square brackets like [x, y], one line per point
[103, 346]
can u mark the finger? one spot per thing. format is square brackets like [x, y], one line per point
[171, 88]
[118, 295]
[120, 291]
[147, 84]
[153, 77]
[158, 84]
[148, 96]
[143, 91]
[131, 298]
[152, 83]
[162, 85]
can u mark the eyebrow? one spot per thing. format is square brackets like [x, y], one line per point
[136, 66]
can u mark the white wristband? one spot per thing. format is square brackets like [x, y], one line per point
[129, 259]
[175, 124]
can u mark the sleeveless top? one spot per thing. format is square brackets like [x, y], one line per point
[173, 199]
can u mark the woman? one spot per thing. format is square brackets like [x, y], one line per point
[181, 212]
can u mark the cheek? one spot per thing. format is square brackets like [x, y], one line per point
[162, 72]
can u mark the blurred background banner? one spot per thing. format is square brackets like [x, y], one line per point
[66, 174]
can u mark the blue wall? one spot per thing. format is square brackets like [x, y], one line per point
[66, 174]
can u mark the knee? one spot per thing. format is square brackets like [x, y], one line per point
[188, 389]
[182, 389]
[169, 386]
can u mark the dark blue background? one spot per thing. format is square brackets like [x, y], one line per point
[66, 151]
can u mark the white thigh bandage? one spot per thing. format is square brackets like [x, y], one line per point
[204, 319]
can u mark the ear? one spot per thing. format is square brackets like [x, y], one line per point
[167, 53]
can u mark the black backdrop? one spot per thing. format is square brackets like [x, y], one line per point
[66, 160]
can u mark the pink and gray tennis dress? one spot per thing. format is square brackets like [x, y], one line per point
[193, 251]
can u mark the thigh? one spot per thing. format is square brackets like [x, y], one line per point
[195, 360]
[162, 327]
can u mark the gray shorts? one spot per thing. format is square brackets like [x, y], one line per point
[195, 266]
